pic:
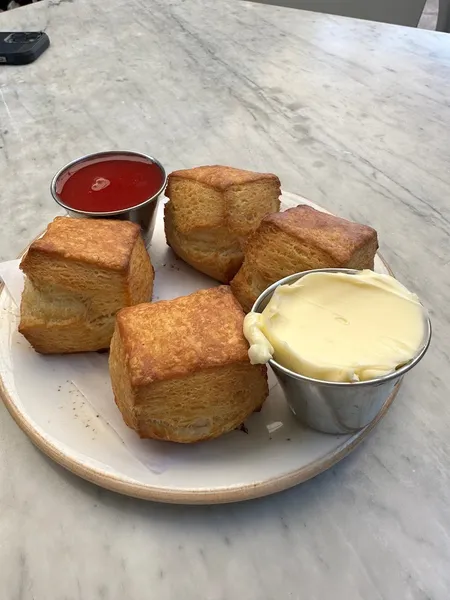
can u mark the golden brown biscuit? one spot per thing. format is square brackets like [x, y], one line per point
[301, 239]
[211, 212]
[78, 275]
[180, 369]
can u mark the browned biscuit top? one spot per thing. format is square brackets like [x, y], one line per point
[104, 243]
[332, 234]
[175, 338]
[220, 177]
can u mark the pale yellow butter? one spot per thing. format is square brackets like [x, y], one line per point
[338, 326]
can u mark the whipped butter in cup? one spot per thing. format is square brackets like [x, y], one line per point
[339, 341]
[338, 326]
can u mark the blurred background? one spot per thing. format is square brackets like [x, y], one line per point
[428, 19]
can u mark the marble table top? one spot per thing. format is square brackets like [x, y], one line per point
[354, 116]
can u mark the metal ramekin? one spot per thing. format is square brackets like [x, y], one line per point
[336, 407]
[144, 214]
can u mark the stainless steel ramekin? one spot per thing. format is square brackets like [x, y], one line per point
[336, 407]
[144, 213]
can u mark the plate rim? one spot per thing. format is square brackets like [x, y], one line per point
[175, 496]
[215, 495]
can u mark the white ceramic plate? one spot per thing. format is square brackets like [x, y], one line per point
[276, 453]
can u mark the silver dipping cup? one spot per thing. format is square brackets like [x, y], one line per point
[336, 407]
[144, 213]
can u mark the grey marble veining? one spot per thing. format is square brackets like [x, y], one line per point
[354, 116]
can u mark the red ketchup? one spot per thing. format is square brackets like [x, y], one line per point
[110, 183]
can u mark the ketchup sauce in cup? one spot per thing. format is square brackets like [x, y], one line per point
[117, 184]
